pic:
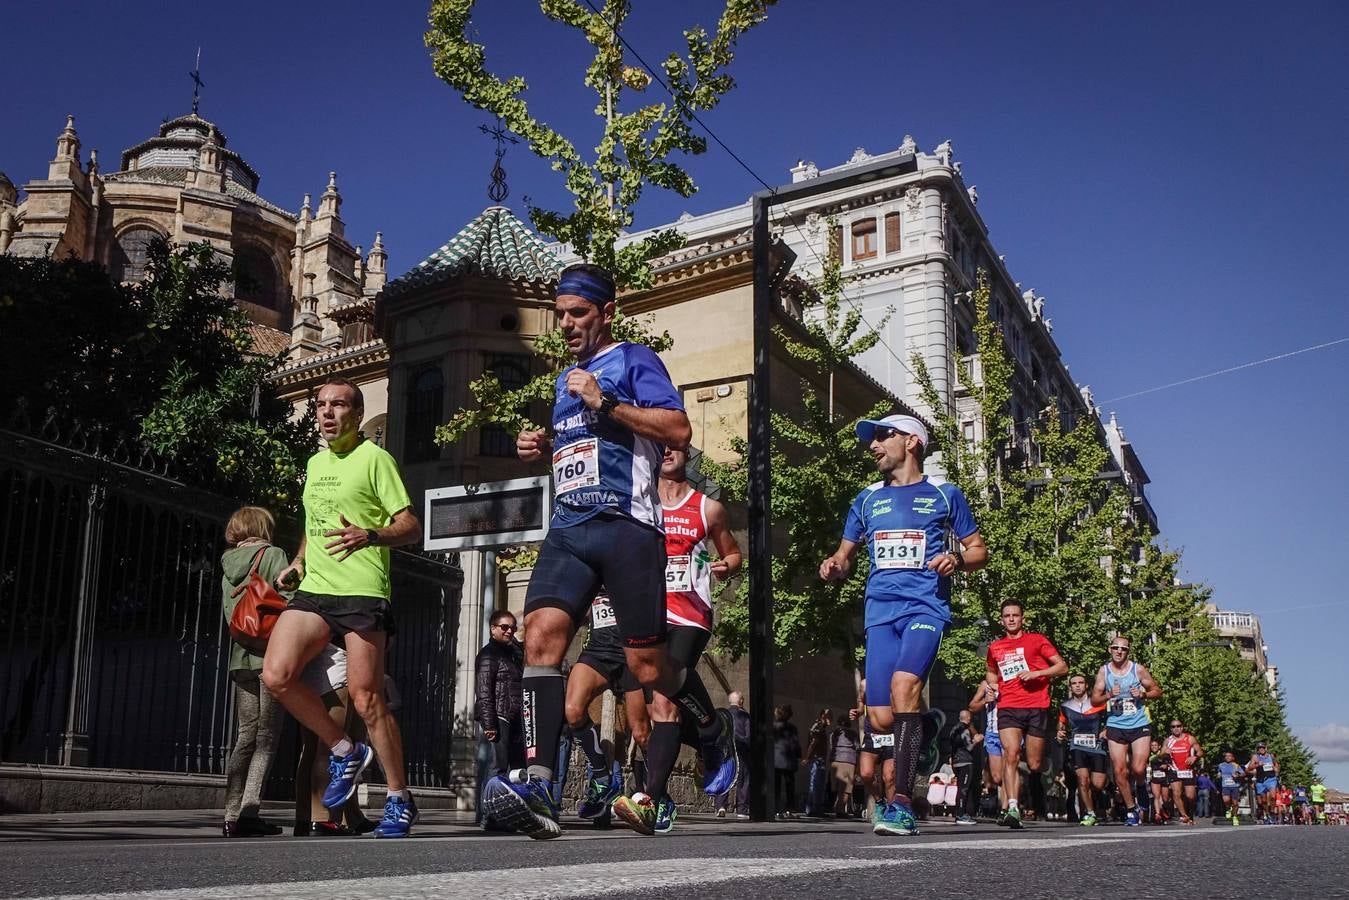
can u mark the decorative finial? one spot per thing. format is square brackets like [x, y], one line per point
[332, 183]
[197, 83]
[497, 191]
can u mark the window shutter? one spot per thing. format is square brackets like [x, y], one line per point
[892, 232]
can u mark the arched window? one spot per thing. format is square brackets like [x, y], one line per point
[512, 370]
[426, 396]
[131, 253]
[257, 282]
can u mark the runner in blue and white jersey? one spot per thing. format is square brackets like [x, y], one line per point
[1125, 686]
[919, 533]
[615, 412]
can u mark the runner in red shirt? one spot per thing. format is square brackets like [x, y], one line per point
[1185, 753]
[1020, 666]
[699, 551]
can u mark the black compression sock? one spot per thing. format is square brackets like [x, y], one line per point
[1037, 794]
[545, 694]
[908, 747]
[662, 750]
[688, 731]
[588, 737]
[692, 698]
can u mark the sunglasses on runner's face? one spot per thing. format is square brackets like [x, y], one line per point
[884, 434]
[1177, 725]
[1119, 647]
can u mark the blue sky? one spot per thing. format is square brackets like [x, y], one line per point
[1170, 176]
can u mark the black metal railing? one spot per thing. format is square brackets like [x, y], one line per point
[113, 649]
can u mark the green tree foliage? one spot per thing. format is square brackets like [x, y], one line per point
[1055, 519]
[170, 359]
[636, 145]
[817, 470]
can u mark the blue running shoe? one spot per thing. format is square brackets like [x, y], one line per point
[599, 794]
[1131, 818]
[399, 817]
[344, 773]
[527, 808]
[896, 818]
[665, 816]
[721, 763]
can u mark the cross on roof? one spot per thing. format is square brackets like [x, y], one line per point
[497, 190]
[198, 84]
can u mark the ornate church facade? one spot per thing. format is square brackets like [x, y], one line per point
[308, 290]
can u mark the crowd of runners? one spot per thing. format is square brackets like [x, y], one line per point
[632, 553]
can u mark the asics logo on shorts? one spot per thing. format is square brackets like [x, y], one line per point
[922, 626]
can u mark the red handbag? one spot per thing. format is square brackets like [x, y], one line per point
[256, 612]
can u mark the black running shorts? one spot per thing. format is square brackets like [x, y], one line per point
[344, 614]
[610, 550]
[1031, 721]
[1094, 762]
[1126, 735]
[603, 652]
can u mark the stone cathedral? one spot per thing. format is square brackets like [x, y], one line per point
[308, 290]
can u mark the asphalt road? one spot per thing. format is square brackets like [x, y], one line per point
[173, 856]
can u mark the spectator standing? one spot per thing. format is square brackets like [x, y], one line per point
[735, 704]
[843, 763]
[248, 535]
[1203, 800]
[786, 759]
[497, 682]
[963, 743]
[817, 764]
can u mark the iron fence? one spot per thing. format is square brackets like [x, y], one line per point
[113, 649]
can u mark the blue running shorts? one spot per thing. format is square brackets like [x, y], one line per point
[908, 644]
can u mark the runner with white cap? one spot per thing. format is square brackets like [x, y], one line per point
[920, 533]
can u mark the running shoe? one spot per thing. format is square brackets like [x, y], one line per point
[639, 811]
[344, 772]
[399, 817]
[721, 762]
[1236, 820]
[721, 812]
[934, 720]
[1088, 820]
[1013, 818]
[665, 816]
[895, 818]
[524, 807]
[1131, 818]
[599, 794]
[966, 820]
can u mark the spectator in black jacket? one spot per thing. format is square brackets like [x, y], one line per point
[498, 670]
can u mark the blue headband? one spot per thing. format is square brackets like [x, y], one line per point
[598, 291]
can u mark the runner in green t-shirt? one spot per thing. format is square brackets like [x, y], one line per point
[355, 508]
[1318, 792]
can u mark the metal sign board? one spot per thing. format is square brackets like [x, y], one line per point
[483, 516]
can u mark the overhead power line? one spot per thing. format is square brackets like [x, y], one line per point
[1227, 371]
[753, 174]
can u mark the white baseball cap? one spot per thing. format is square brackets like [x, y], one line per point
[866, 429]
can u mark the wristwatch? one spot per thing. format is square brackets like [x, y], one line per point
[608, 400]
[372, 537]
[960, 559]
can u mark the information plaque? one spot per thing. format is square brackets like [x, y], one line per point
[483, 516]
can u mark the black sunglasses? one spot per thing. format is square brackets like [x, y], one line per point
[504, 627]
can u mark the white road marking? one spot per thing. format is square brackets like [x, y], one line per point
[541, 882]
[1028, 843]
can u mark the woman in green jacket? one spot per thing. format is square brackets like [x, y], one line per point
[248, 534]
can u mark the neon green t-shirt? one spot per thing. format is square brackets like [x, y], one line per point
[1318, 793]
[364, 485]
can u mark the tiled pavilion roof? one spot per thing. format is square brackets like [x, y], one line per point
[496, 245]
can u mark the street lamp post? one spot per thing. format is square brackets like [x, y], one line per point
[760, 570]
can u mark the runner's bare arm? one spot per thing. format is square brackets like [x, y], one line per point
[837, 567]
[723, 540]
[979, 699]
[664, 426]
[405, 528]
[1098, 694]
[292, 574]
[1057, 669]
[532, 446]
[1151, 689]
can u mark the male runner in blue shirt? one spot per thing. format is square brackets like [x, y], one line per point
[920, 532]
[614, 413]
